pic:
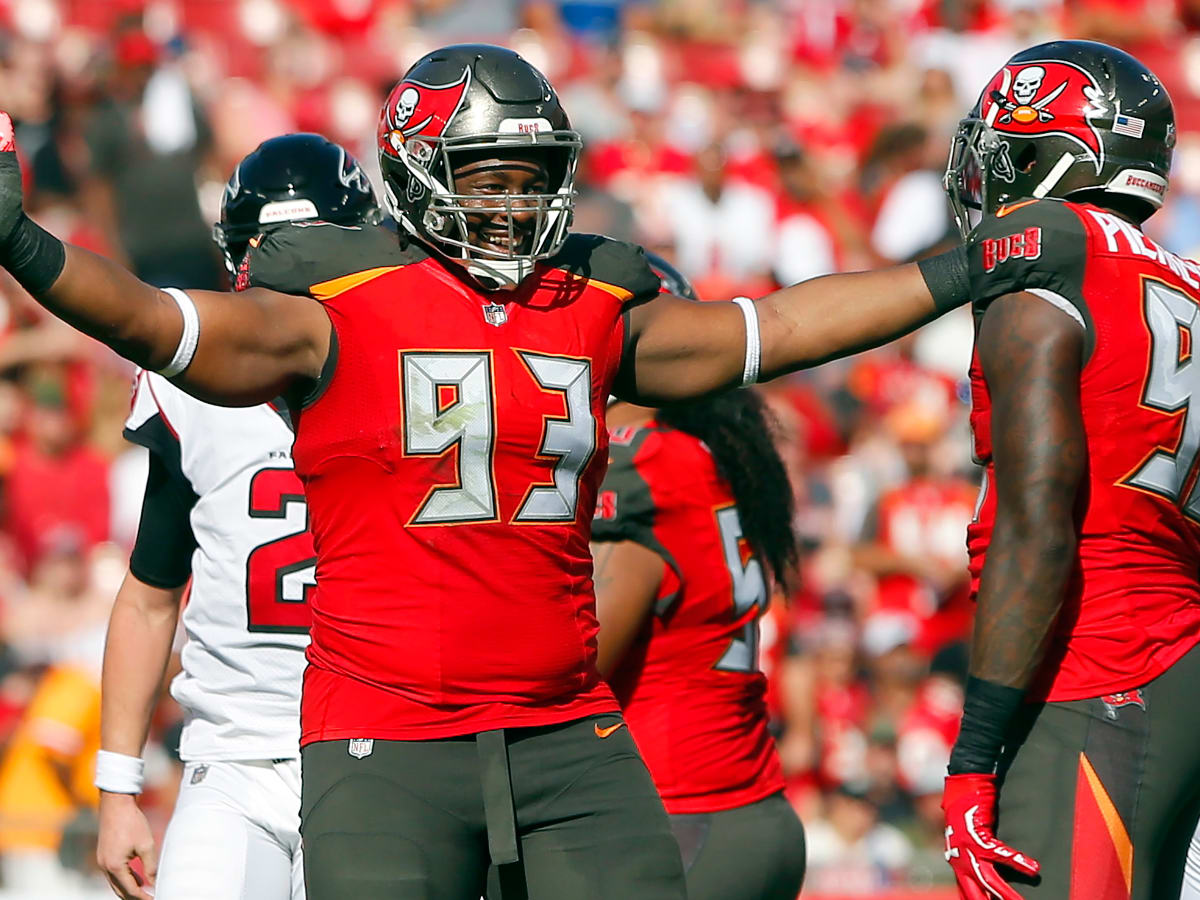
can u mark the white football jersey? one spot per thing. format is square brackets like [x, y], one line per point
[246, 617]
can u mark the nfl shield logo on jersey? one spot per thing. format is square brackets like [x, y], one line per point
[360, 747]
[494, 314]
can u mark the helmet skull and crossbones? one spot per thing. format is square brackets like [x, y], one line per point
[407, 105]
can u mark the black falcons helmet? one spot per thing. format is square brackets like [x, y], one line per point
[290, 178]
[673, 281]
[471, 98]
[1066, 119]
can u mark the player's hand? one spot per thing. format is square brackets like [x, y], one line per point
[125, 836]
[972, 850]
[10, 178]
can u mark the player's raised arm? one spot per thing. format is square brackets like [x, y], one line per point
[234, 349]
[680, 349]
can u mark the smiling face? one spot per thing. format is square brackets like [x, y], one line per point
[499, 215]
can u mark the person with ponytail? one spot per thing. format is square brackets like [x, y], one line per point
[693, 531]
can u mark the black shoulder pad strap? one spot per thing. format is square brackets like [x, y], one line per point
[1040, 246]
[294, 257]
[617, 263]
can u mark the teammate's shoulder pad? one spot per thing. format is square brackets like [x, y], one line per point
[1057, 215]
[1027, 244]
[613, 262]
[294, 257]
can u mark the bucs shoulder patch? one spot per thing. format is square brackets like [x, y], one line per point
[1024, 244]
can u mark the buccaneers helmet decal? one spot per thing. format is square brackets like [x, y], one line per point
[1047, 97]
[417, 108]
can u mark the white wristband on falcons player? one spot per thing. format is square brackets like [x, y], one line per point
[118, 773]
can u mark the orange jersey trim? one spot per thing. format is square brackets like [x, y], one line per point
[327, 290]
[1005, 210]
[619, 292]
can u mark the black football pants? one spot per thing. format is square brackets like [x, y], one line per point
[573, 804]
[1104, 793]
[753, 852]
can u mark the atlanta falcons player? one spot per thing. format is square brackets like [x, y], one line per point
[223, 507]
[449, 407]
[1078, 738]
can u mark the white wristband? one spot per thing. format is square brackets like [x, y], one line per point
[753, 340]
[118, 773]
[190, 337]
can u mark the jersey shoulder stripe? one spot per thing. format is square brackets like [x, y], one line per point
[616, 267]
[296, 258]
[327, 290]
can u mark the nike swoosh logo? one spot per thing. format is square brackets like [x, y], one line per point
[605, 732]
[1005, 210]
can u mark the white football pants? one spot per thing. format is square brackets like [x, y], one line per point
[235, 834]
[1191, 870]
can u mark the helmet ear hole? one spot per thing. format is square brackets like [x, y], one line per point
[1026, 159]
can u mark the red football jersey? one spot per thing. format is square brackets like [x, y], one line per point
[451, 462]
[1133, 603]
[690, 686]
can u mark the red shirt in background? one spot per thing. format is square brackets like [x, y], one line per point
[45, 493]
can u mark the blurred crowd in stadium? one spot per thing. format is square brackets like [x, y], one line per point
[753, 142]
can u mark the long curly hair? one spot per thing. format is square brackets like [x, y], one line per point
[738, 429]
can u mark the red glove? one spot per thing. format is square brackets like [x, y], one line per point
[969, 802]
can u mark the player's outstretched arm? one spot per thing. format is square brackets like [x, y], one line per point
[250, 347]
[140, 632]
[682, 349]
[1031, 354]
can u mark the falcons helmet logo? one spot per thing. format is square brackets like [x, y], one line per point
[1040, 98]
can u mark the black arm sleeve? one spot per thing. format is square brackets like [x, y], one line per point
[162, 556]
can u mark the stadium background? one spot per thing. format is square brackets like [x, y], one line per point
[754, 143]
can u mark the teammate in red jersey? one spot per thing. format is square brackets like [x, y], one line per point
[449, 406]
[692, 528]
[1081, 708]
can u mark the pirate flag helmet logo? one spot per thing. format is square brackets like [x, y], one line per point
[1072, 120]
[1047, 97]
[415, 109]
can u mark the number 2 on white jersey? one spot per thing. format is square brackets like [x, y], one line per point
[1171, 383]
[280, 574]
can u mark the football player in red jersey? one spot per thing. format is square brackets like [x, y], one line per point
[693, 527]
[449, 404]
[1075, 775]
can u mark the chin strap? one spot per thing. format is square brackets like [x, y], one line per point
[498, 275]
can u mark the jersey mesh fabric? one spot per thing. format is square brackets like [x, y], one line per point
[1133, 602]
[690, 686]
